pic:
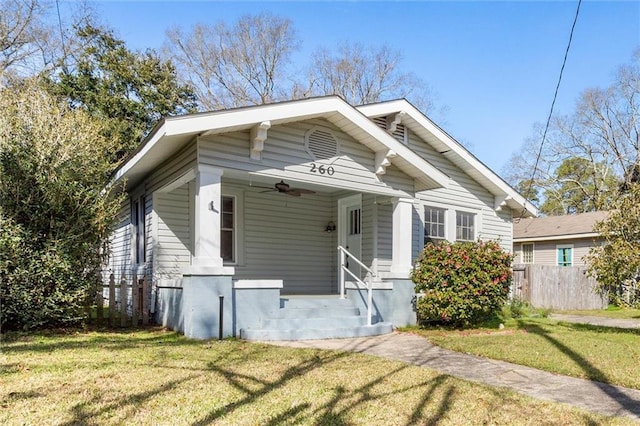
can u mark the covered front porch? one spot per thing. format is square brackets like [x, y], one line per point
[272, 246]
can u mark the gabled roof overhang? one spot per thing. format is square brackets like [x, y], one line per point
[447, 146]
[171, 134]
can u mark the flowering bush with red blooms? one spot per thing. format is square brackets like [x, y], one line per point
[462, 283]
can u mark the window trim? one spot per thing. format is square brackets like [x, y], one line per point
[424, 222]
[474, 216]
[139, 234]
[533, 253]
[564, 246]
[238, 229]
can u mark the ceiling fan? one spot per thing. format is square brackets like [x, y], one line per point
[285, 188]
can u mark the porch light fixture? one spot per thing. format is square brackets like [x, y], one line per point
[331, 226]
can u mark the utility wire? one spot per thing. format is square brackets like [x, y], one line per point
[553, 103]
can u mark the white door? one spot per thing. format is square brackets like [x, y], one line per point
[350, 227]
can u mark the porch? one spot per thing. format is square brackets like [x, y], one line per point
[279, 273]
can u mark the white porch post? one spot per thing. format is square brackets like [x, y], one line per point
[402, 230]
[207, 217]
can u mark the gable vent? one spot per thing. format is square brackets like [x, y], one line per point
[321, 144]
[400, 133]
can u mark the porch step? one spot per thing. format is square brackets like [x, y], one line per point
[315, 318]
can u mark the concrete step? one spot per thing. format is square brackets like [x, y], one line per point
[318, 312]
[313, 302]
[286, 323]
[316, 333]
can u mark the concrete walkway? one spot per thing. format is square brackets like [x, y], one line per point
[589, 395]
[607, 322]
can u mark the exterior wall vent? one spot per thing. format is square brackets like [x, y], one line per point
[400, 133]
[321, 144]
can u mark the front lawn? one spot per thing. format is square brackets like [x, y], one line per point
[159, 377]
[597, 353]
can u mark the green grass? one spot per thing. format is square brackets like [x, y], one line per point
[611, 312]
[597, 353]
[158, 377]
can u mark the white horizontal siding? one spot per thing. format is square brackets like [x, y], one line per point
[466, 194]
[173, 239]
[285, 239]
[119, 259]
[285, 155]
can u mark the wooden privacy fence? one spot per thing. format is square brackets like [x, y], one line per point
[556, 287]
[127, 302]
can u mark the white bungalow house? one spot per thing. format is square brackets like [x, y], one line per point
[301, 218]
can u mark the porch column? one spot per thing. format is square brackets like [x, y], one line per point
[402, 230]
[207, 217]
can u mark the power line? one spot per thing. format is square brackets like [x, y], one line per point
[553, 103]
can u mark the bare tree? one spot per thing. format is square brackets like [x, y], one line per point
[25, 40]
[603, 133]
[245, 64]
[365, 74]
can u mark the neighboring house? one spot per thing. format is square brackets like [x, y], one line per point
[555, 240]
[249, 206]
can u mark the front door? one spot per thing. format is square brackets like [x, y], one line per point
[350, 227]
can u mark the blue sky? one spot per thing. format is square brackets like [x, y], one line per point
[494, 65]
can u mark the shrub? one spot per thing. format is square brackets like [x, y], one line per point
[55, 216]
[461, 283]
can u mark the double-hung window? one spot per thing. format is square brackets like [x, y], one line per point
[434, 224]
[228, 229]
[527, 253]
[139, 230]
[465, 226]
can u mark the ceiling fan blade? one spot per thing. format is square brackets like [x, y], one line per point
[293, 193]
[268, 190]
[303, 191]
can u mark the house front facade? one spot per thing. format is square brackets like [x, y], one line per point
[298, 219]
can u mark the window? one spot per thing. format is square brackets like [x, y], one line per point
[139, 230]
[227, 229]
[465, 229]
[527, 253]
[565, 255]
[355, 222]
[434, 224]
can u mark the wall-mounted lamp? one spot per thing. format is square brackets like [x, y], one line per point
[331, 226]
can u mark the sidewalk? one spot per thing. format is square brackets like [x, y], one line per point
[607, 322]
[593, 396]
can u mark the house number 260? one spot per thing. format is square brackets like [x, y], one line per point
[322, 169]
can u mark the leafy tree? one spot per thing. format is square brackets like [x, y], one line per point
[55, 215]
[603, 133]
[616, 264]
[579, 186]
[461, 283]
[246, 63]
[129, 91]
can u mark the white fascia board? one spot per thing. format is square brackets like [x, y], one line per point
[555, 237]
[221, 121]
[463, 158]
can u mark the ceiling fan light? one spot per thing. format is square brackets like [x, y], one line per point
[282, 187]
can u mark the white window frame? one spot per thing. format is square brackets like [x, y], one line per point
[564, 246]
[138, 230]
[533, 253]
[474, 216]
[424, 222]
[238, 221]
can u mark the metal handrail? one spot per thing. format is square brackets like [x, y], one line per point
[343, 268]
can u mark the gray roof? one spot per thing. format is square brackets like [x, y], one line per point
[554, 226]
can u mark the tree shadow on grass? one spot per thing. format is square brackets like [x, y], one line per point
[329, 413]
[594, 374]
[82, 413]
